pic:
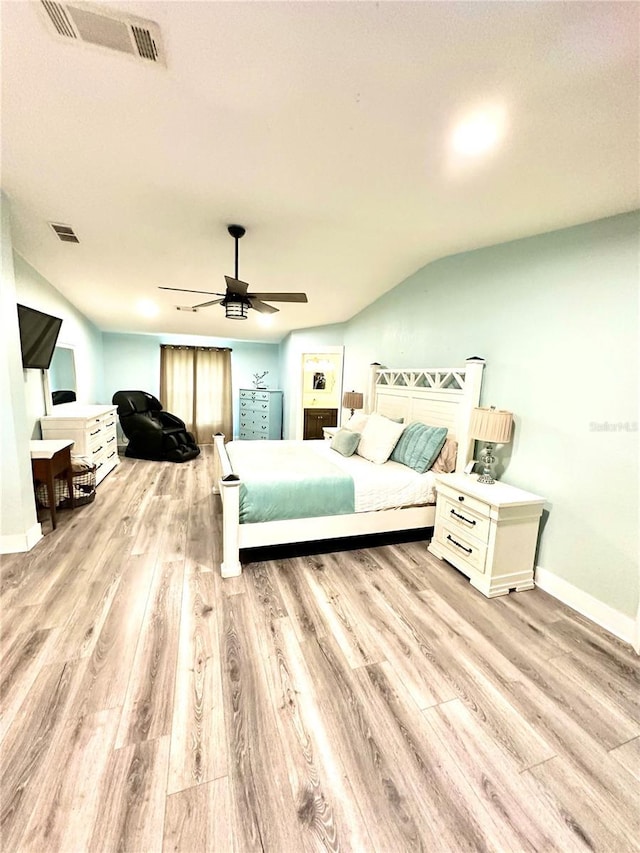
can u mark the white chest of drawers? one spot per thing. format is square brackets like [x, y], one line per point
[260, 414]
[91, 428]
[488, 532]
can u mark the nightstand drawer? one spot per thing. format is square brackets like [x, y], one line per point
[463, 500]
[464, 518]
[463, 551]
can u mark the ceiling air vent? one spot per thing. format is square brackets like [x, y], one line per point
[64, 232]
[102, 26]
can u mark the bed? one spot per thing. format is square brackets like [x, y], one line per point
[441, 397]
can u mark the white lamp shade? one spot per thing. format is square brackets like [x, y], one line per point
[493, 425]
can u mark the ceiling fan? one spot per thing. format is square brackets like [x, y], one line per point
[237, 300]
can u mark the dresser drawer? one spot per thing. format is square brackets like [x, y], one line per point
[464, 518]
[253, 406]
[461, 550]
[254, 396]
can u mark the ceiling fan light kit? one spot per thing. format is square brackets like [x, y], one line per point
[235, 307]
[237, 301]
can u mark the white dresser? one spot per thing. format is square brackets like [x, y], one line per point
[91, 428]
[488, 532]
[260, 414]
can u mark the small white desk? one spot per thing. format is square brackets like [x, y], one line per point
[50, 458]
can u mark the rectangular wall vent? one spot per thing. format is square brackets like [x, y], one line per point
[64, 233]
[106, 28]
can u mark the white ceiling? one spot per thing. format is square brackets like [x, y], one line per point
[323, 128]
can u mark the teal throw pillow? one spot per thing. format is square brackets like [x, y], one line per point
[419, 445]
[345, 442]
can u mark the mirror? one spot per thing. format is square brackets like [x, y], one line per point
[62, 375]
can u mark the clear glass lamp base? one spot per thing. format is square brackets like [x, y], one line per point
[487, 459]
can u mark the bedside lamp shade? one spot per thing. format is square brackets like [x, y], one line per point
[492, 425]
[352, 400]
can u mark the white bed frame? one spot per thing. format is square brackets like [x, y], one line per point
[441, 396]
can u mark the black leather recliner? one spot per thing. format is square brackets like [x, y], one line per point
[152, 432]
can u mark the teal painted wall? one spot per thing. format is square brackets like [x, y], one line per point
[133, 362]
[556, 318]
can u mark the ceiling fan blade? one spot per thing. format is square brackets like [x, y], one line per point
[262, 307]
[280, 297]
[206, 304]
[234, 285]
[185, 290]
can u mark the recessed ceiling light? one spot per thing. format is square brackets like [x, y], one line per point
[147, 308]
[479, 132]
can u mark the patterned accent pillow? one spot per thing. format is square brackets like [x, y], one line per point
[419, 446]
[379, 437]
[345, 442]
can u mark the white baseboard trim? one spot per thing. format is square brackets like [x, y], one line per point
[622, 626]
[16, 543]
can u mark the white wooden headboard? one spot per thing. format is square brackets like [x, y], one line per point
[438, 396]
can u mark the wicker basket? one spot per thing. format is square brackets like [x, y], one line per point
[84, 486]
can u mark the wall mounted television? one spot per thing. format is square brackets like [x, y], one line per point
[38, 335]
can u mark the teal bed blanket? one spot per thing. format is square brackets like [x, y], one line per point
[287, 479]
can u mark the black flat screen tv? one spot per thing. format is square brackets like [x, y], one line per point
[38, 335]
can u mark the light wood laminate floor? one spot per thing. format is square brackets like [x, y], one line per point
[358, 700]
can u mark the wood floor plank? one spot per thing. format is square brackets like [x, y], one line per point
[198, 752]
[22, 661]
[610, 720]
[148, 704]
[198, 819]
[321, 798]
[262, 808]
[514, 799]
[604, 826]
[109, 666]
[375, 763]
[133, 799]
[70, 783]
[578, 751]
[26, 747]
[628, 755]
[397, 640]
[341, 613]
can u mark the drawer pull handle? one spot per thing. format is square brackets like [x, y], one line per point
[111, 455]
[111, 424]
[98, 449]
[97, 432]
[451, 539]
[463, 517]
[113, 438]
[460, 498]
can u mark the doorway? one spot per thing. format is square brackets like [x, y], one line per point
[321, 391]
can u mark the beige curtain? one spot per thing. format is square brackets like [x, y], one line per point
[195, 385]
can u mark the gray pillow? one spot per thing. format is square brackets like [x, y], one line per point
[419, 445]
[345, 442]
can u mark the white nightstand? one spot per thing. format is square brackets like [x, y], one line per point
[488, 532]
[329, 432]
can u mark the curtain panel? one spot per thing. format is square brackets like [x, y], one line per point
[195, 384]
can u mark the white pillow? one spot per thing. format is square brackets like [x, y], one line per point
[357, 422]
[379, 437]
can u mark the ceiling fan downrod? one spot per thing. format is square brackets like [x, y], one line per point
[236, 231]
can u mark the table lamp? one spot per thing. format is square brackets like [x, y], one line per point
[493, 426]
[352, 400]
